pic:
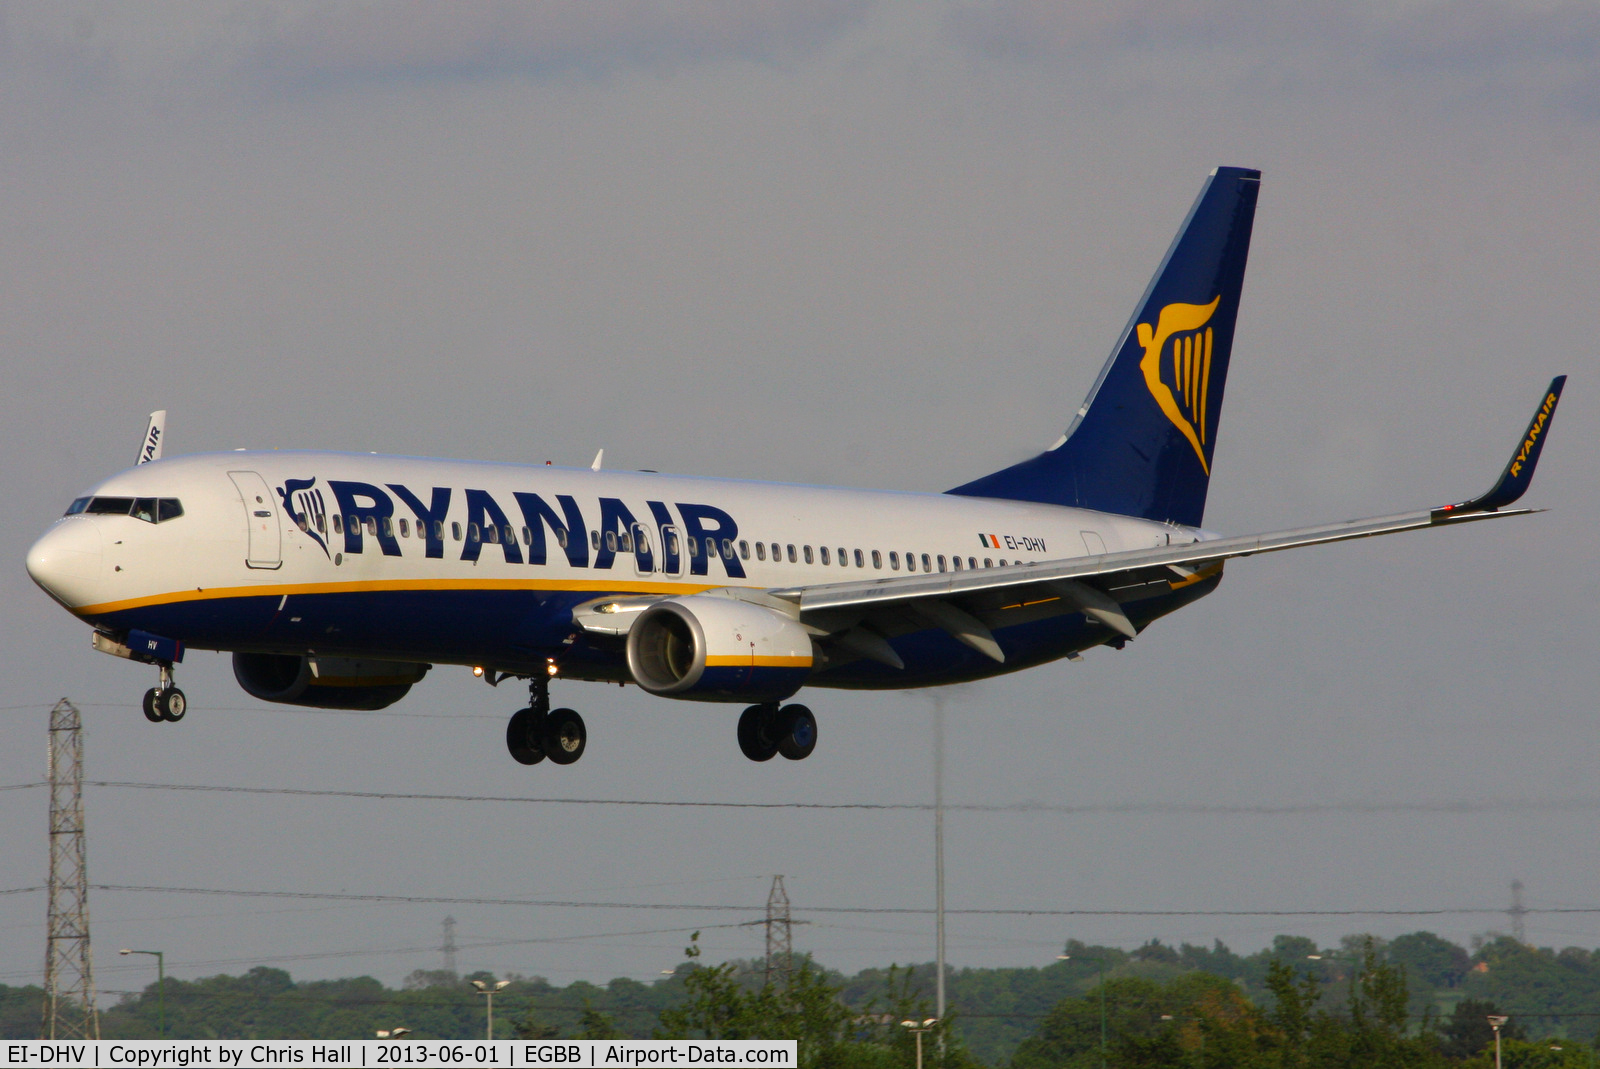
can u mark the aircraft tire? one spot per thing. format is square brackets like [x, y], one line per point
[565, 737]
[152, 706]
[524, 738]
[755, 732]
[797, 734]
[173, 705]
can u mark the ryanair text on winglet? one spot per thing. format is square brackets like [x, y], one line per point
[1534, 431]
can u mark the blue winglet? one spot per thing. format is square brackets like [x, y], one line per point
[1518, 475]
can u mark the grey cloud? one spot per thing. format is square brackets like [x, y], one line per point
[1526, 50]
[116, 47]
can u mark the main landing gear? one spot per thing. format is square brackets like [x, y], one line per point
[765, 730]
[538, 731]
[165, 702]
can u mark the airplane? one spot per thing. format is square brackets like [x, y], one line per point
[338, 580]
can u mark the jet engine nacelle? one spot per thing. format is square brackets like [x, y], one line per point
[717, 649]
[325, 682]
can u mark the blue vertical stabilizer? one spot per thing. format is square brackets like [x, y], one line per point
[1141, 444]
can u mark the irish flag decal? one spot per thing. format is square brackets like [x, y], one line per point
[989, 541]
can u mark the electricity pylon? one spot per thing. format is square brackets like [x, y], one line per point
[69, 1011]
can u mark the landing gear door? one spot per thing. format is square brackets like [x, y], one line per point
[261, 520]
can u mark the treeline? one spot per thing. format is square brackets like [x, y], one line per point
[1416, 1000]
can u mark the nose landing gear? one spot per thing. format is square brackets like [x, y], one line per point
[767, 730]
[538, 732]
[165, 702]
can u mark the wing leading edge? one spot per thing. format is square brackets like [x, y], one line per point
[1084, 582]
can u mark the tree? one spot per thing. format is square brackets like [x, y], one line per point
[1467, 1032]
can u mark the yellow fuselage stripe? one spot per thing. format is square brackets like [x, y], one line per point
[621, 586]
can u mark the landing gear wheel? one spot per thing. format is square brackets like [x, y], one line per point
[524, 737]
[797, 732]
[152, 706]
[564, 736]
[755, 732]
[173, 705]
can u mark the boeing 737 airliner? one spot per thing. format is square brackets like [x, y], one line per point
[338, 580]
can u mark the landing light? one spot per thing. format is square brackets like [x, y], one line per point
[477, 670]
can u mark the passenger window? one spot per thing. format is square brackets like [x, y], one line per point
[455, 531]
[955, 564]
[694, 547]
[511, 535]
[561, 538]
[594, 540]
[1002, 562]
[405, 527]
[611, 541]
[972, 564]
[322, 520]
[438, 531]
[303, 523]
[861, 561]
[77, 506]
[844, 558]
[473, 535]
[388, 527]
[372, 526]
[672, 544]
[761, 551]
[625, 542]
[727, 549]
[808, 554]
[338, 528]
[894, 561]
[927, 564]
[987, 563]
[941, 562]
[491, 534]
[527, 537]
[794, 558]
[877, 560]
[824, 551]
[744, 549]
[711, 547]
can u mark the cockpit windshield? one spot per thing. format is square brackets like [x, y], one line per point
[148, 509]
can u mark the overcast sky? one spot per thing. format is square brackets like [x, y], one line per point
[850, 243]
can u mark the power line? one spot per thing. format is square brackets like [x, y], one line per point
[1461, 807]
[1440, 911]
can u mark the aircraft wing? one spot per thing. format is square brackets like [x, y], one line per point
[858, 615]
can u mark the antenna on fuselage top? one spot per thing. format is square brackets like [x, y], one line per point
[154, 432]
[598, 457]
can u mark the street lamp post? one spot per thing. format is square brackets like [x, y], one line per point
[1102, 963]
[161, 984]
[488, 992]
[918, 1029]
[1496, 1023]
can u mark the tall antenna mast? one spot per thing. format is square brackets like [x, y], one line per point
[69, 1010]
[1517, 912]
[448, 947]
[780, 934]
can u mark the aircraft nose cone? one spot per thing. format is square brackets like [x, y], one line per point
[67, 562]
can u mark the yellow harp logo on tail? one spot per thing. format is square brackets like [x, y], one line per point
[1179, 374]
